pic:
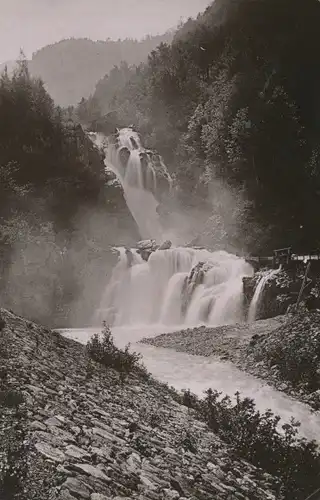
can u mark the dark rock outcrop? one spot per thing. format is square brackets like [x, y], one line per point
[282, 290]
[124, 155]
[194, 279]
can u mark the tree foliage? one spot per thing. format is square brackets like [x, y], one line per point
[49, 172]
[235, 96]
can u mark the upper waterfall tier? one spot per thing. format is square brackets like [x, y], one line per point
[142, 174]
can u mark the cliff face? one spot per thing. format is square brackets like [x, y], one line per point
[74, 431]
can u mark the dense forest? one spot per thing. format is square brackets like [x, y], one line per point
[234, 99]
[57, 216]
[71, 68]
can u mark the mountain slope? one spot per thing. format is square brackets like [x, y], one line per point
[71, 68]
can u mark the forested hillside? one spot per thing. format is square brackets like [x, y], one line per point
[235, 97]
[71, 68]
[57, 216]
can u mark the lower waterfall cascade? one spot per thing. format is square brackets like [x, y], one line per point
[177, 286]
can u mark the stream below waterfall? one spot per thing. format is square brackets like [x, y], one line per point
[176, 286]
[197, 373]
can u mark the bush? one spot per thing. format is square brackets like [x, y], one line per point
[101, 348]
[256, 437]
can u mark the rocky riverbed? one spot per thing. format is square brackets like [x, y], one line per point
[77, 431]
[284, 351]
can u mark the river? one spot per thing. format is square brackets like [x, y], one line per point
[197, 373]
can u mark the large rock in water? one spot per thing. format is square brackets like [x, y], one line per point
[124, 155]
[146, 247]
[195, 278]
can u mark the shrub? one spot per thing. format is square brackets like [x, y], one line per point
[101, 348]
[256, 437]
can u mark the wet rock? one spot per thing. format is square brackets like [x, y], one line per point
[124, 155]
[194, 279]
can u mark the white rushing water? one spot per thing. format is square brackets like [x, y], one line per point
[197, 373]
[174, 287]
[258, 293]
[137, 177]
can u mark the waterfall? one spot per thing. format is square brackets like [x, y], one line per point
[177, 286]
[257, 296]
[167, 286]
[137, 169]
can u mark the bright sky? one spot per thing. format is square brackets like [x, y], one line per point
[32, 24]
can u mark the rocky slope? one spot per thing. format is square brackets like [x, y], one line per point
[283, 350]
[228, 341]
[91, 436]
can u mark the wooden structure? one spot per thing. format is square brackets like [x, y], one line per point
[282, 256]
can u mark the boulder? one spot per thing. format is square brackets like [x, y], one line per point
[165, 245]
[146, 247]
[195, 278]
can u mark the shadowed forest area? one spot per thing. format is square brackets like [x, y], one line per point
[52, 183]
[235, 98]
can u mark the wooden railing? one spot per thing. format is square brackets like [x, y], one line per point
[282, 256]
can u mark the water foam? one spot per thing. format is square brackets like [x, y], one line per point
[159, 290]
